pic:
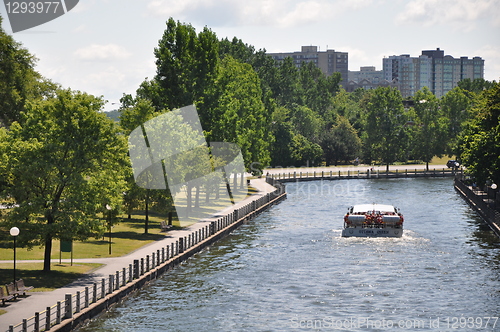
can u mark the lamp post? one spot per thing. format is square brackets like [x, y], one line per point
[494, 187]
[109, 225]
[14, 231]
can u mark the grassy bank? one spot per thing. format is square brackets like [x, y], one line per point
[126, 236]
[59, 276]
[32, 274]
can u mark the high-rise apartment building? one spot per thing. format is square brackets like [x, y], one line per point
[412, 74]
[448, 71]
[328, 61]
[439, 72]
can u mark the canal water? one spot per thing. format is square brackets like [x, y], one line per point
[290, 270]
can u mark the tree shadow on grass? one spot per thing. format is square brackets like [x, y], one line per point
[39, 279]
[129, 235]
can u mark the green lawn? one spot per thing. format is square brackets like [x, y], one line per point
[32, 274]
[441, 161]
[126, 236]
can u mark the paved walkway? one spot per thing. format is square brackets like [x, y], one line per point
[352, 168]
[25, 308]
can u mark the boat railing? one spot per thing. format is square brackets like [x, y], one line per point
[372, 225]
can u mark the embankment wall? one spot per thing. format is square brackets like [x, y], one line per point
[89, 303]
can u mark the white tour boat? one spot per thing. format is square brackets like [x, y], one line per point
[373, 220]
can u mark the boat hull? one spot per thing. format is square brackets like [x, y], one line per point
[372, 232]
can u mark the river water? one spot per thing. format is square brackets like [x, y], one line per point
[290, 270]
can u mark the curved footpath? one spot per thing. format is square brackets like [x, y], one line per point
[39, 301]
[351, 168]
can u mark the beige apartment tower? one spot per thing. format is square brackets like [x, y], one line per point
[328, 61]
[440, 73]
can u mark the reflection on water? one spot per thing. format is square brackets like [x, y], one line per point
[289, 269]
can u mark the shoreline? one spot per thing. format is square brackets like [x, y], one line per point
[97, 291]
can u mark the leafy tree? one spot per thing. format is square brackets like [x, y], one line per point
[282, 132]
[455, 106]
[429, 130]
[237, 49]
[65, 165]
[287, 90]
[306, 122]
[476, 85]
[263, 64]
[318, 89]
[479, 144]
[341, 142]
[384, 135]
[347, 105]
[173, 151]
[186, 65]
[304, 152]
[175, 62]
[134, 113]
[240, 116]
[19, 81]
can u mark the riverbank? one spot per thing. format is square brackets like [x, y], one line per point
[291, 268]
[358, 172]
[481, 203]
[68, 307]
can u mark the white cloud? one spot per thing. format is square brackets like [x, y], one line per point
[110, 77]
[357, 57]
[106, 52]
[491, 56]
[281, 13]
[82, 28]
[461, 14]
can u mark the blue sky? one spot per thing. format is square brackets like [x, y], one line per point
[105, 47]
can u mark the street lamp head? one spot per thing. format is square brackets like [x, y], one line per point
[14, 231]
[494, 186]
[108, 207]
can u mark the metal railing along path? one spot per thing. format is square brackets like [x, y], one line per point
[358, 174]
[75, 304]
[489, 215]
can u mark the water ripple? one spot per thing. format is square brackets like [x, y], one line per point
[291, 266]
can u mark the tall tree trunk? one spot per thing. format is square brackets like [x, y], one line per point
[189, 200]
[242, 184]
[197, 199]
[48, 247]
[48, 251]
[208, 191]
[235, 182]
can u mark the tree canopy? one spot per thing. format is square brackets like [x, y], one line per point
[428, 127]
[64, 164]
[479, 144]
[385, 137]
[19, 82]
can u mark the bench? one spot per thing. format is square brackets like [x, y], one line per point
[11, 289]
[164, 227]
[4, 297]
[21, 289]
